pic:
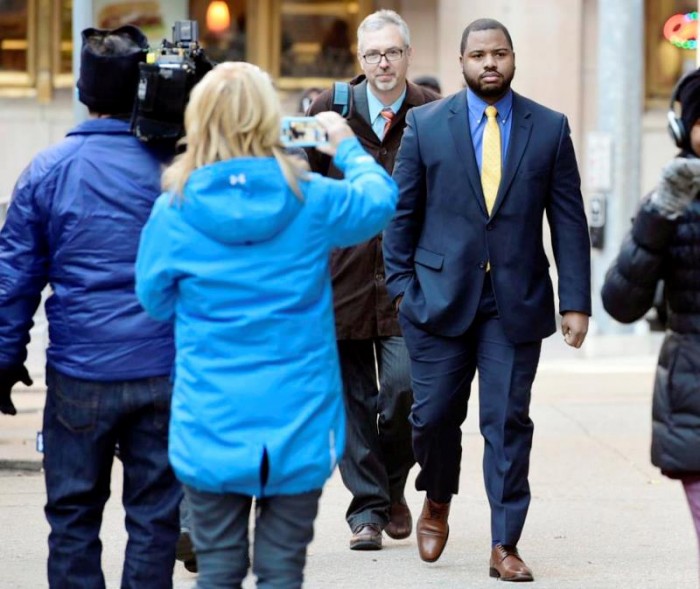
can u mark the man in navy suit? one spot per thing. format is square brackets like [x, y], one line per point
[470, 279]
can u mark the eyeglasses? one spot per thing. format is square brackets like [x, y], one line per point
[374, 57]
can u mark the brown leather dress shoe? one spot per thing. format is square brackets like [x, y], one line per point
[432, 530]
[400, 520]
[507, 565]
[366, 537]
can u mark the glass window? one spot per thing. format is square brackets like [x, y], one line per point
[148, 16]
[154, 17]
[222, 27]
[671, 38]
[63, 51]
[14, 36]
[318, 38]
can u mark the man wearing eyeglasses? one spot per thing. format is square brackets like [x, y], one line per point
[378, 452]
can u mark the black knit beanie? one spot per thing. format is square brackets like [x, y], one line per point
[109, 68]
[689, 98]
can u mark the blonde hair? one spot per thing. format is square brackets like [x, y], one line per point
[233, 112]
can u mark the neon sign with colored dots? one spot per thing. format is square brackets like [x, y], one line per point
[682, 30]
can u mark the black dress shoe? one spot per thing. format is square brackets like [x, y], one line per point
[366, 537]
[184, 551]
[400, 520]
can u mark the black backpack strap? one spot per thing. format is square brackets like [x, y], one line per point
[341, 98]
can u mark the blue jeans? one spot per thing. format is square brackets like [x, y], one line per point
[83, 421]
[284, 527]
[378, 453]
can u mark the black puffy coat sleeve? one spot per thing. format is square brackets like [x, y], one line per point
[630, 283]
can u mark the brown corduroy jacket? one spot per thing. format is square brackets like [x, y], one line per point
[361, 303]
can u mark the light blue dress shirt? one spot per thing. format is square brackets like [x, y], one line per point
[477, 122]
[376, 106]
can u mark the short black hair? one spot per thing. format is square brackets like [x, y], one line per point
[483, 24]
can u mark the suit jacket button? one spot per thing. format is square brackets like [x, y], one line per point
[482, 265]
[489, 227]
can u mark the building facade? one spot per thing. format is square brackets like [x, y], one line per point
[307, 43]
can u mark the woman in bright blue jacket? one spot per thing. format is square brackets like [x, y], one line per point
[236, 252]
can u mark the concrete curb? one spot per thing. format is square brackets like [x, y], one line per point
[21, 465]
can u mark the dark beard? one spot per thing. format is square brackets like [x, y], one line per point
[490, 91]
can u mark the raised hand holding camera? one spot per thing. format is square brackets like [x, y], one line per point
[336, 128]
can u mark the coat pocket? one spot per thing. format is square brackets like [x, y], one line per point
[428, 259]
[682, 392]
[541, 173]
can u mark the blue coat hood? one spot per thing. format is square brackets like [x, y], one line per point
[239, 201]
[242, 265]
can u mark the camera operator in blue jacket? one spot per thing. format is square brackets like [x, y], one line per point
[74, 223]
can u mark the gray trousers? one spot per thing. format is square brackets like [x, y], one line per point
[378, 454]
[284, 527]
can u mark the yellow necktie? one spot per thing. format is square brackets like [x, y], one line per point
[491, 158]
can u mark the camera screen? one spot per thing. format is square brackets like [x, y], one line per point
[302, 132]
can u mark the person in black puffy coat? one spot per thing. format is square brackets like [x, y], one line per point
[664, 244]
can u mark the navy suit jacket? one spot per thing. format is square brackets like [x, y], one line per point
[437, 247]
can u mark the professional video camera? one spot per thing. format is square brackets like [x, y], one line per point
[165, 82]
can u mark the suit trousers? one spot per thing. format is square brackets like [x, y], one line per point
[443, 369]
[378, 454]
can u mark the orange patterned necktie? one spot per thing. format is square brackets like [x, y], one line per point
[388, 116]
[491, 158]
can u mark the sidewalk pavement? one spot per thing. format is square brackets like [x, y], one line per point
[600, 354]
[601, 516]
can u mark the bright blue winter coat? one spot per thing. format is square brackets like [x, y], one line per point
[243, 266]
[74, 222]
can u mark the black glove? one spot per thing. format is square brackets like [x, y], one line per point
[8, 378]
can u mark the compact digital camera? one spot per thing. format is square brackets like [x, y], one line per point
[302, 132]
[165, 82]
